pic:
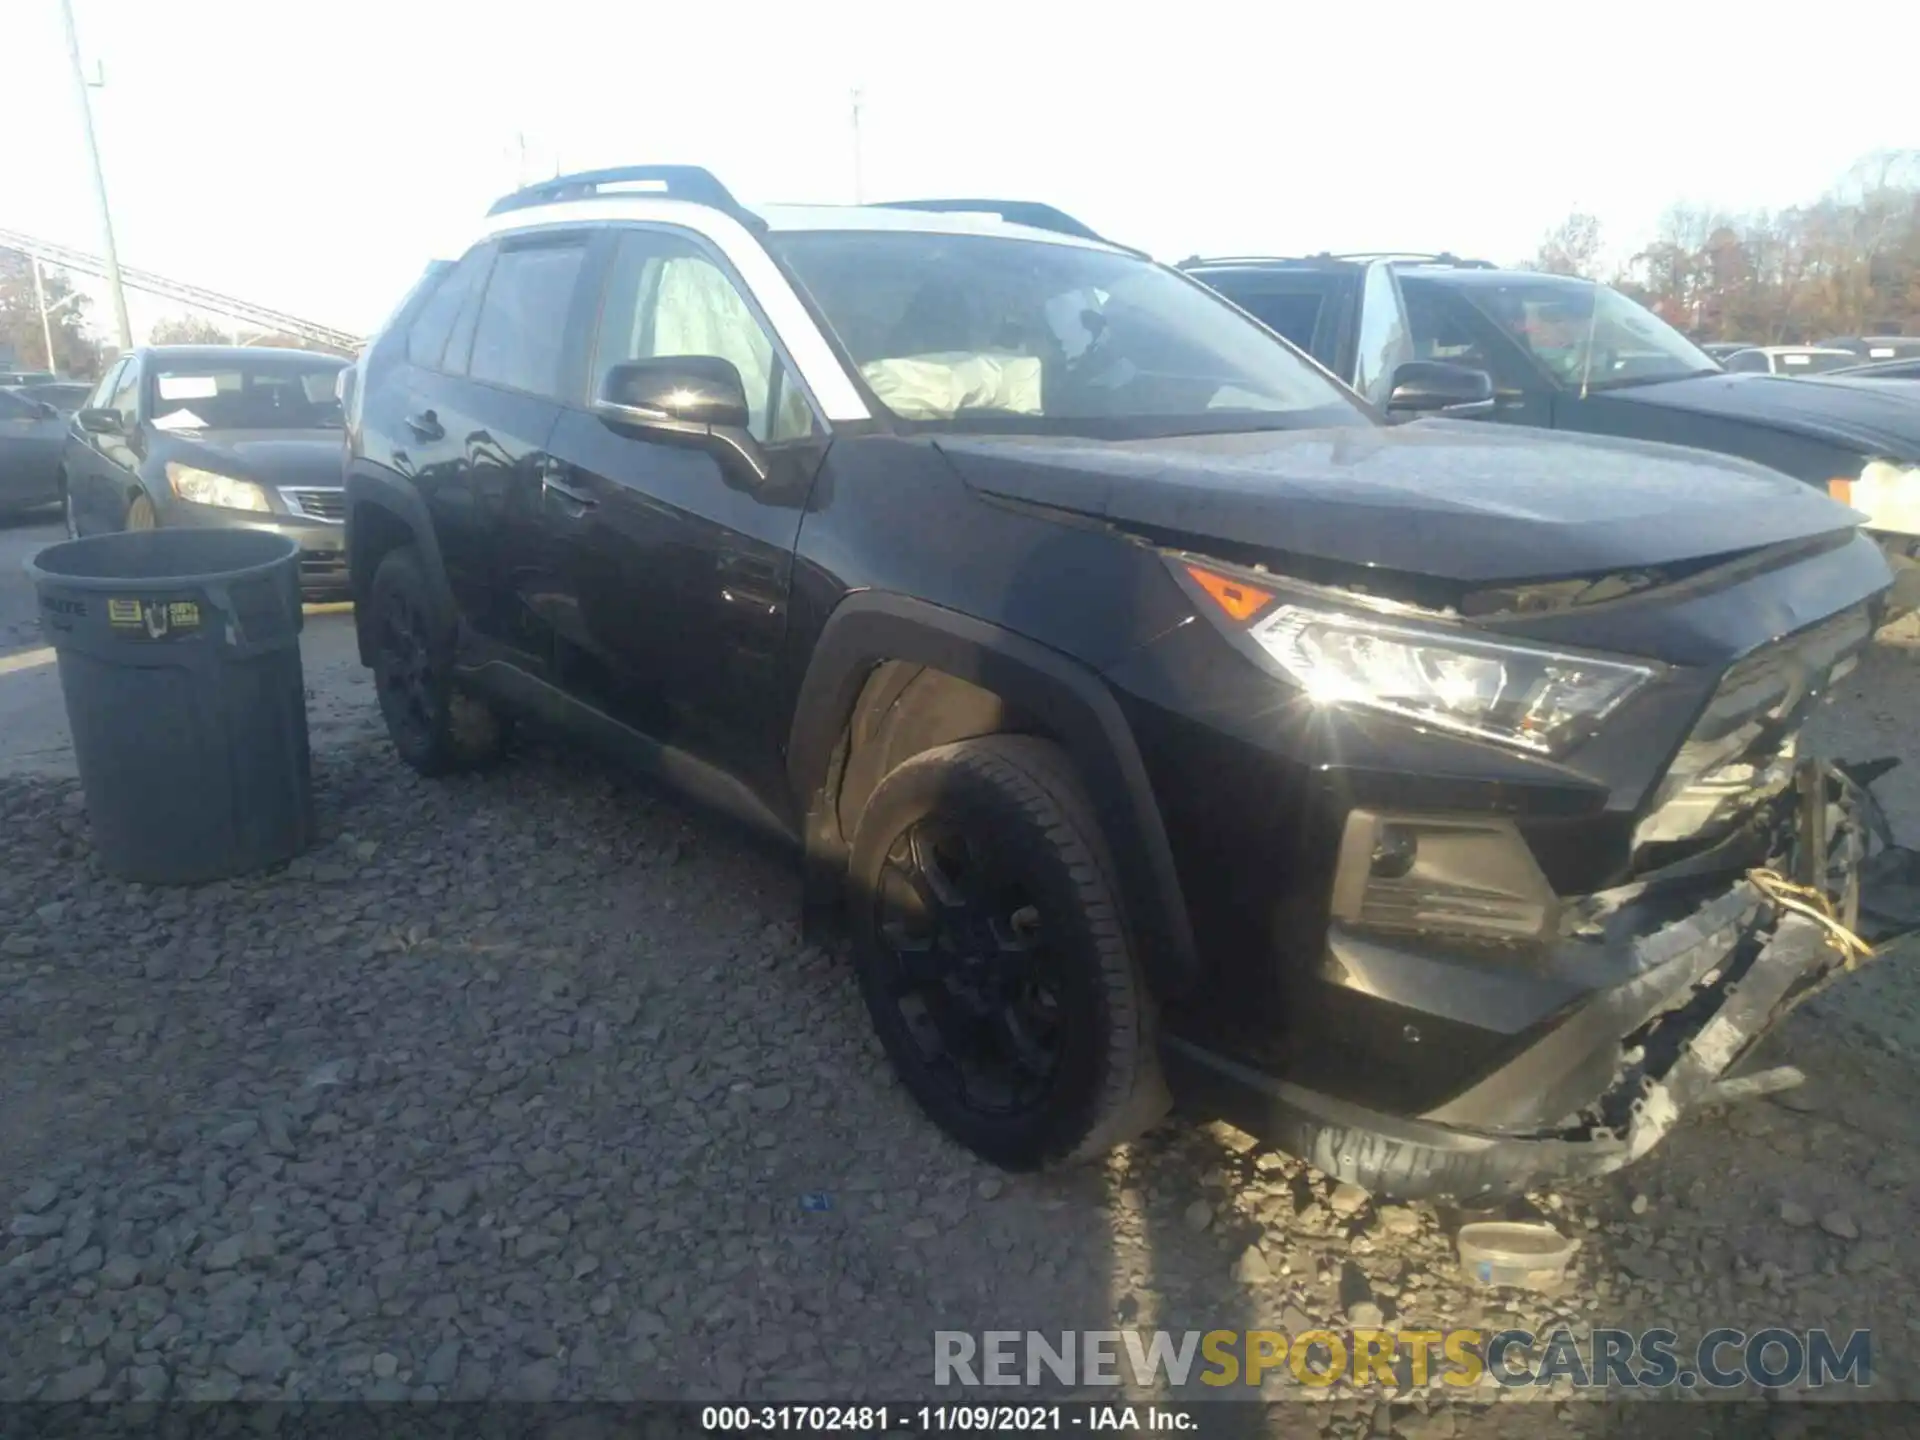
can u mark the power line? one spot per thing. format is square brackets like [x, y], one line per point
[198, 297]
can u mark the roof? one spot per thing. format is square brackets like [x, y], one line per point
[664, 193]
[781, 219]
[796, 219]
[212, 353]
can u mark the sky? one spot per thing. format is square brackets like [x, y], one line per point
[312, 157]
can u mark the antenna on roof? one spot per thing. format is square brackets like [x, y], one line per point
[859, 188]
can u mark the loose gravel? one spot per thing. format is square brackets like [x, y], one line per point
[523, 1085]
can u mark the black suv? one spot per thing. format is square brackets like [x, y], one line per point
[214, 436]
[1141, 702]
[1570, 354]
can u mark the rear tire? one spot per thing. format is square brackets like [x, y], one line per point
[436, 727]
[1024, 955]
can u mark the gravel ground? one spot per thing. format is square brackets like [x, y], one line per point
[523, 1085]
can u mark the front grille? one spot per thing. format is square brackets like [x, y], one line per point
[1741, 751]
[317, 504]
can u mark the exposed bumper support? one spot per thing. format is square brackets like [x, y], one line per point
[1724, 983]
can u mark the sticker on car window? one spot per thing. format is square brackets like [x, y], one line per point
[1797, 359]
[179, 420]
[188, 387]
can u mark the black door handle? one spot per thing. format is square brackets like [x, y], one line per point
[426, 425]
[551, 483]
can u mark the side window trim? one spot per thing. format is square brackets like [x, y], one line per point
[786, 368]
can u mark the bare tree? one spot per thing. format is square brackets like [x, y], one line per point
[74, 351]
[189, 330]
[1572, 247]
[1848, 263]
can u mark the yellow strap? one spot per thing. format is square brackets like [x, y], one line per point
[1807, 901]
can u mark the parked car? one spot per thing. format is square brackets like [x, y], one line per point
[1878, 347]
[1786, 360]
[66, 396]
[1569, 354]
[31, 434]
[1721, 349]
[1148, 709]
[10, 378]
[215, 435]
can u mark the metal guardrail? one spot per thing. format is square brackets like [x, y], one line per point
[200, 298]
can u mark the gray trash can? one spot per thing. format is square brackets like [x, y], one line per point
[180, 660]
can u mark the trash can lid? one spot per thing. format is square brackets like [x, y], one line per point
[175, 557]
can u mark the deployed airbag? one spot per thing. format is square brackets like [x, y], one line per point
[940, 386]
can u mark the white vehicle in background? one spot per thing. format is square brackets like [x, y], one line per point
[1787, 360]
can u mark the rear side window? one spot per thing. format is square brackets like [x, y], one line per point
[523, 320]
[427, 336]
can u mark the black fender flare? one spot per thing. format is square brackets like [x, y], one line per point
[371, 487]
[1067, 697]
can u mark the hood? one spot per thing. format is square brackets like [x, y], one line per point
[1878, 419]
[1451, 499]
[1905, 387]
[270, 457]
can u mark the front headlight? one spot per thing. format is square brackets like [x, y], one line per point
[1886, 493]
[1539, 700]
[205, 487]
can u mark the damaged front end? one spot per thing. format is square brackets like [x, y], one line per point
[1711, 964]
[1509, 982]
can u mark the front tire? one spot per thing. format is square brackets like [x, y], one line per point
[436, 727]
[141, 514]
[994, 956]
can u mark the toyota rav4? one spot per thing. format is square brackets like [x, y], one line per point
[1158, 722]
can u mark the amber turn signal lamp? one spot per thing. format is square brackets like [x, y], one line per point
[1240, 600]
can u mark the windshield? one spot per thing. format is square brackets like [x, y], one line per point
[990, 332]
[1586, 336]
[264, 393]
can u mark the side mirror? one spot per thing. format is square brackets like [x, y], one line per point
[1425, 387]
[688, 398]
[100, 422]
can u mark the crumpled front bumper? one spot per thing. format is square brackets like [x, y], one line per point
[1731, 969]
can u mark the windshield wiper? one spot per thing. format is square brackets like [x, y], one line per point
[1627, 381]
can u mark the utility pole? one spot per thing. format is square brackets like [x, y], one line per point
[99, 179]
[46, 320]
[859, 189]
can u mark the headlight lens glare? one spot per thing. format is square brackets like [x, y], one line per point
[207, 487]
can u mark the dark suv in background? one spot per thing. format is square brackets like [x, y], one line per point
[210, 435]
[1146, 709]
[1569, 354]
